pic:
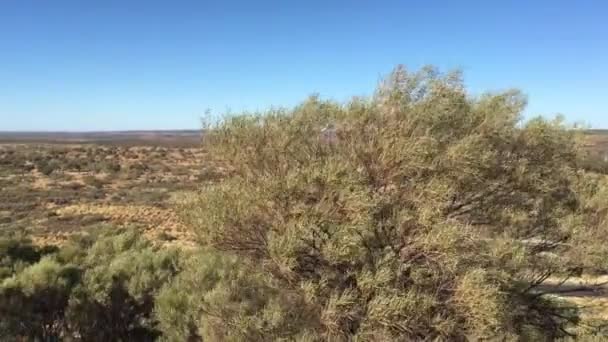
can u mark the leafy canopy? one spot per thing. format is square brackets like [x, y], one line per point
[421, 213]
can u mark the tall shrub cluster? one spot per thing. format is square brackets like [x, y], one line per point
[422, 213]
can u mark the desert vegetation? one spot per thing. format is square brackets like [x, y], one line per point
[50, 191]
[421, 213]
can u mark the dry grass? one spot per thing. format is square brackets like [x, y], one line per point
[152, 220]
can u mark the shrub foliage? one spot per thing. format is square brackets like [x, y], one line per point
[422, 213]
[99, 289]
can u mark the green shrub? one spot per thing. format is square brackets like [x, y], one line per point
[116, 298]
[18, 252]
[100, 288]
[33, 302]
[402, 217]
[217, 297]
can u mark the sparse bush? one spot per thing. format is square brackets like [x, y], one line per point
[111, 166]
[75, 165]
[93, 181]
[48, 167]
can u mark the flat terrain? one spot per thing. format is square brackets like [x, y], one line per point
[183, 138]
[59, 183]
[50, 191]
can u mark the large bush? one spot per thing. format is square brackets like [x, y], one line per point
[422, 213]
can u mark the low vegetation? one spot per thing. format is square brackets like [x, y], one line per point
[53, 191]
[420, 214]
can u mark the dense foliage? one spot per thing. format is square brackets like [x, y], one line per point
[422, 213]
[93, 289]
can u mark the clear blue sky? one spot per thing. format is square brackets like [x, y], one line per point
[110, 64]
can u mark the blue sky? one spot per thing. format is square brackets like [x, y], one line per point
[110, 65]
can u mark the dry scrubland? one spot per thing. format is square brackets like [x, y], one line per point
[52, 191]
[420, 214]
